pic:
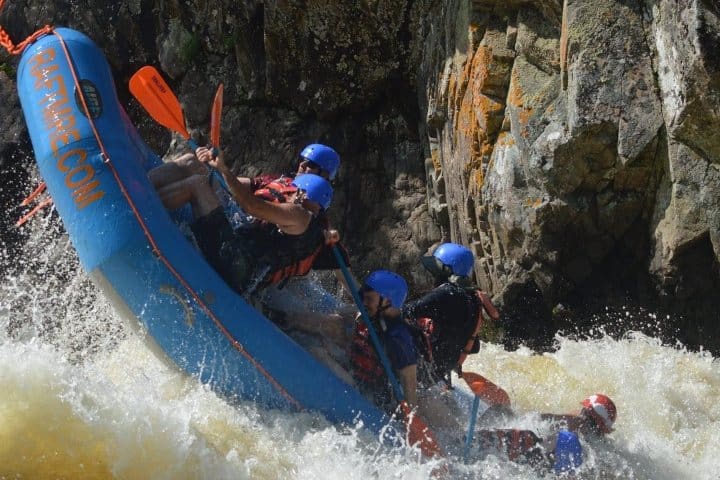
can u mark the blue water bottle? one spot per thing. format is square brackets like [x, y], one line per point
[568, 452]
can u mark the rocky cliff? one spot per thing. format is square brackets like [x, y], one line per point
[573, 145]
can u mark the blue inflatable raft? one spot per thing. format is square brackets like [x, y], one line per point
[95, 165]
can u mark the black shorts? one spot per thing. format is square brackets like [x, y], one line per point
[222, 249]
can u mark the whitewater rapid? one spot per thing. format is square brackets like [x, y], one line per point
[82, 396]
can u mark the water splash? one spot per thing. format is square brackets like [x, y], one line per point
[81, 396]
[665, 395]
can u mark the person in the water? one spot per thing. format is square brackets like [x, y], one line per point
[560, 450]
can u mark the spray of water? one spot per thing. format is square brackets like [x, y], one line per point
[81, 396]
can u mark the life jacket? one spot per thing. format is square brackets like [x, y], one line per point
[263, 179]
[516, 444]
[277, 190]
[367, 370]
[445, 343]
[272, 256]
[365, 364]
[473, 343]
[292, 255]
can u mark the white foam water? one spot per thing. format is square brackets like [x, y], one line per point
[82, 396]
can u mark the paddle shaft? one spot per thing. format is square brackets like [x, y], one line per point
[157, 98]
[213, 171]
[366, 320]
[471, 427]
[417, 431]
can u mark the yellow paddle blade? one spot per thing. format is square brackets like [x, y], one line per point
[148, 86]
[215, 117]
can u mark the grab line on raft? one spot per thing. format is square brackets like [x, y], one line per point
[13, 49]
[148, 235]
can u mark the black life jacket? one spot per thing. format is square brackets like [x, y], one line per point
[279, 256]
[272, 256]
[445, 342]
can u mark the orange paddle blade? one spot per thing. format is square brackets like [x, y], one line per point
[486, 390]
[148, 86]
[215, 116]
[419, 433]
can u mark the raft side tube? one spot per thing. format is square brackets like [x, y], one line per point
[143, 262]
[85, 192]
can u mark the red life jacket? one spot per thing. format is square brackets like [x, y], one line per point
[277, 190]
[516, 444]
[366, 367]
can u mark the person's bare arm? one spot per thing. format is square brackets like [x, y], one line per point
[205, 155]
[331, 326]
[291, 218]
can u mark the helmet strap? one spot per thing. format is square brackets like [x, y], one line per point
[380, 311]
[381, 308]
[379, 321]
[464, 282]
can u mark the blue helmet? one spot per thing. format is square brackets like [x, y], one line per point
[458, 259]
[316, 188]
[326, 157]
[389, 285]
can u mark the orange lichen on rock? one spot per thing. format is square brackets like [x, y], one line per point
[515, 93]
[480, 155]
[489, 73]
[452, 88]
[516, 99]
[461, 86]
[477, 178]
[489, 113]
[524, 116]
[466, 123]
[483, 73]
[532, 202]
[505, 139]
[481, 66]
[486, 149]
[480, 111]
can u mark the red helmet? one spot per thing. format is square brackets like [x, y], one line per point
[602, 410]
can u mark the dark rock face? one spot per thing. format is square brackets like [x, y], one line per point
[571, 144]
[568, 154]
